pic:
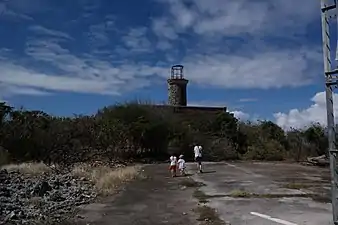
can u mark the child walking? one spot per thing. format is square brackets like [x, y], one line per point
[173, 165]
[181, 165]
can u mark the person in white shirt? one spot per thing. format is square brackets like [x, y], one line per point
[173, 165]
[181, 165]
[198, 157]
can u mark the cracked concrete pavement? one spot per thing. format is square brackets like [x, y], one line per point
[285, 193]
[282, 193]
[156, 199]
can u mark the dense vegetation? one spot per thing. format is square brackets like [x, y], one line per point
[133, 131]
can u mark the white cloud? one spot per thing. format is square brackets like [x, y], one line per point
[218, 61]
[8, 13]
[48, 32]
[9, 90]
[269, 69]
[235, 17]
[98, 34]
[212, 61]
[18, 10]
[136, 40]
[162, 28]
[16, 76]
[28, 7]
[300, 118]
[248, 100]
[71, 73]
[241, 115]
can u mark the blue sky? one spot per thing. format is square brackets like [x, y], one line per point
[260, 58]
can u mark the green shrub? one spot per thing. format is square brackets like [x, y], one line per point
[133, 131]
[269, 150]
[4, 157]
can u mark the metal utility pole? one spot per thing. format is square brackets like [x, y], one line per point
[331, 79]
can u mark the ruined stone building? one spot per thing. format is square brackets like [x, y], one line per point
[178, 98]
[178, 103]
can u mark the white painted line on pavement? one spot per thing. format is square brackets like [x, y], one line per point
[284, 222]
[239, 168]
[244, 170]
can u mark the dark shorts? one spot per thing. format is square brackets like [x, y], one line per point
[173, 167]
[198, 159]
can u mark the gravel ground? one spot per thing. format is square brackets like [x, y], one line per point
[47, 198]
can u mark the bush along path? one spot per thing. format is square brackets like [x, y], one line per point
[156, 198]
[134, 131]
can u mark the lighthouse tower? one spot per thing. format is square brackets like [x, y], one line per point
[177, 87]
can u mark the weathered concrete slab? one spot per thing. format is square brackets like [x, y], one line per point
[272, 184]
[156, 199]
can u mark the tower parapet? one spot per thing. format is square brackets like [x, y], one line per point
[177, 87]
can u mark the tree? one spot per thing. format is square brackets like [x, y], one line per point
[133, 131]
[315, 135]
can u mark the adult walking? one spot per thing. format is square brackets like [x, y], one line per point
[198, 157]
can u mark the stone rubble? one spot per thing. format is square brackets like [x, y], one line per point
[48, 198]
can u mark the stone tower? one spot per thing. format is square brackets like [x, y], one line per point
[177, 87]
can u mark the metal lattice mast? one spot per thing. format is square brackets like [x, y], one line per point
[331, 78]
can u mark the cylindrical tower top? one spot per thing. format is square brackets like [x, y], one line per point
[177, 87]
[177, 72]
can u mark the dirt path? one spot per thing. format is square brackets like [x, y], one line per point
[157, 199]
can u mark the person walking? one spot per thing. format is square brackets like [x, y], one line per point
[181, 165]
[173, 165]
[198, 156]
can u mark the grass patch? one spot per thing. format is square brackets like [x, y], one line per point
[245, 194]
[106, 179]
[201, 196]
[31, 169]
[296, 186]
[91, 173]
[322, 198]
[191, 183]
[240, 194]
[208, 215]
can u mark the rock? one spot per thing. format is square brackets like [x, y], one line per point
[318, 161]
[56, 197]
[3, 176]
[5, 192]
[28, 200]
[10, 216]
[42, 188]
